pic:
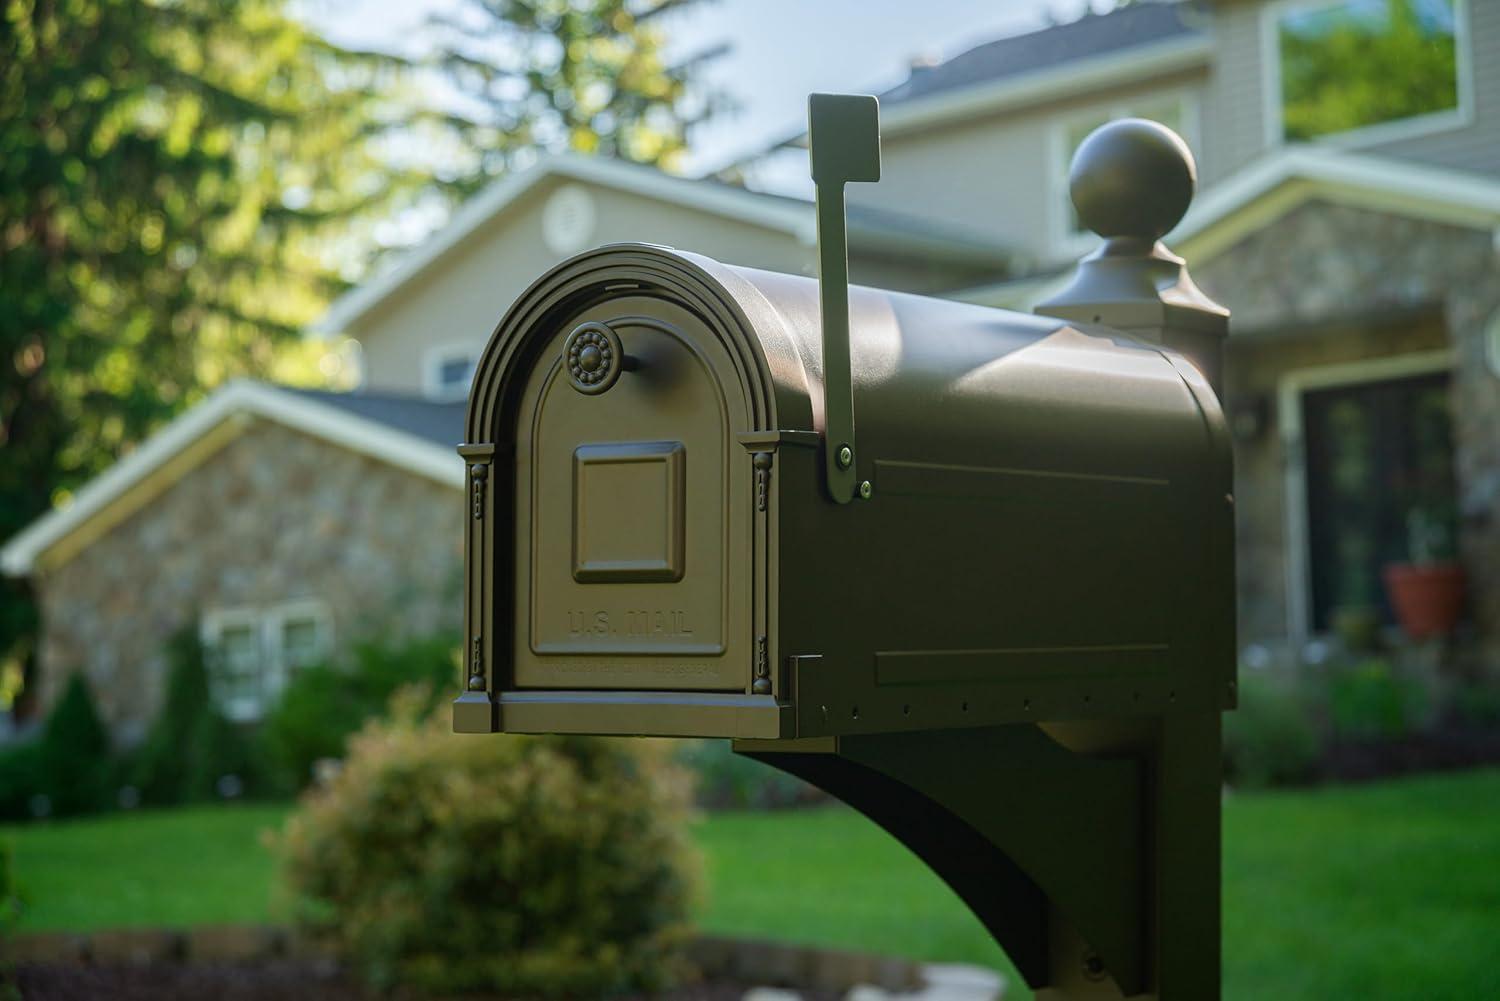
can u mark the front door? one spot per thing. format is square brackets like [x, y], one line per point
[1380, 487]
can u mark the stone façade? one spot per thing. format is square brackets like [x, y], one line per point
[1330, 283]
[275, 515]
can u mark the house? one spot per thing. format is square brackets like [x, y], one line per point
[1355, 241]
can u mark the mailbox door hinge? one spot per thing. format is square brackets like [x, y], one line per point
[762, 683]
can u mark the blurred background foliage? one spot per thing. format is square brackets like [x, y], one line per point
[184, 186]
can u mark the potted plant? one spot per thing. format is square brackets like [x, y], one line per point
[1427, 592]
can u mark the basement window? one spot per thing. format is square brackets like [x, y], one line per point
[253, 653]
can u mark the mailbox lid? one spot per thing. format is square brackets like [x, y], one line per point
[632, 532]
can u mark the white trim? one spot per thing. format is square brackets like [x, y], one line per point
[1062, 241]
[731, 203]
[1453, 196]
[438, 355]
[1289, 390]
[1380, 133]
[1064, 80]
[358, 434]
[792, 217]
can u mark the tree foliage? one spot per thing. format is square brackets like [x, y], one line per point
[592, 76]
[185, 183]
[1365, 63]
[175, 179]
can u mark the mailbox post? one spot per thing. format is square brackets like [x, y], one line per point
[996, 615]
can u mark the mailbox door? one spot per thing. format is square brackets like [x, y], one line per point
[633, 529]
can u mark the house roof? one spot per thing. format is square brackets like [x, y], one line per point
[442, 424]
[1142, 41]
[1090, 37]
[871, 231]
[1267, 188]
[414, 435]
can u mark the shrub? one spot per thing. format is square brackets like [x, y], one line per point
[1369, 701]
[20, 780]
[1477, 705]
[1273, 737]
[191, 747]
[72, 758]
[324, 705]
[529, 865]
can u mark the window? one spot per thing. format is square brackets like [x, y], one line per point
[1172, 110]
[1375, 68]
[449, 370]
[1380, 487]
[254, 652]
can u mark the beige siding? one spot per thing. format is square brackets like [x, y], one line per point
[461, 298]
[1234, 126]
[1005, 173]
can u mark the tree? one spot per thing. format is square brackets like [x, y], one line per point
[178, 182]
[1345, 67]
[592, 76]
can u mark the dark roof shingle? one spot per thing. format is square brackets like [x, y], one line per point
[439, 423]
[1090, 36]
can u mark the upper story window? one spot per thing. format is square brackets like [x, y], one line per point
[254, 652]
[448, 370]
[1176, 111]
[1368, 70]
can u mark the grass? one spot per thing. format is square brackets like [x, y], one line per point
[1382, 891]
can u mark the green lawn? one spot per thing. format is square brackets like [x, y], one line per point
[1388, 891]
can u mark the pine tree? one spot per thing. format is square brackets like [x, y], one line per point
[178, 183]
[591, 76]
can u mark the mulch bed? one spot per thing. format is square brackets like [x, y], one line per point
[1439, 751]
[271, 980]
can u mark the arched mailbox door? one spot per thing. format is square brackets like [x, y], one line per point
[633, 535]
[654, 552]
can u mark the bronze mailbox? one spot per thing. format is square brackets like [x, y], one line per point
[968, 569]
[1039, 534]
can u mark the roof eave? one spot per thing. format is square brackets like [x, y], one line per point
[1065, 80]
[19, 555]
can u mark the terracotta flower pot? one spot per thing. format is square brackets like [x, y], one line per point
[1428, 597]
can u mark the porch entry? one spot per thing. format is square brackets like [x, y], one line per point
[1379, 487]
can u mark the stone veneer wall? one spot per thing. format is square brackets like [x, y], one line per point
[274, 516]
[1318, 266]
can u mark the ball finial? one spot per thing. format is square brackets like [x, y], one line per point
[1132, 178]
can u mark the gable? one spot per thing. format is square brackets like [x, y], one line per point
[459, 298]
[196, 436]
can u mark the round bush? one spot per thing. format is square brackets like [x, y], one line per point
[530, 865]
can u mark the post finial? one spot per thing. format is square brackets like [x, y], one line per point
[1132, 181]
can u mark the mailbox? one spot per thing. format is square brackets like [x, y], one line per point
[1037, 525]
[967, 569]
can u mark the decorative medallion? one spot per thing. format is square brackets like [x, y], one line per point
[594, 358]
